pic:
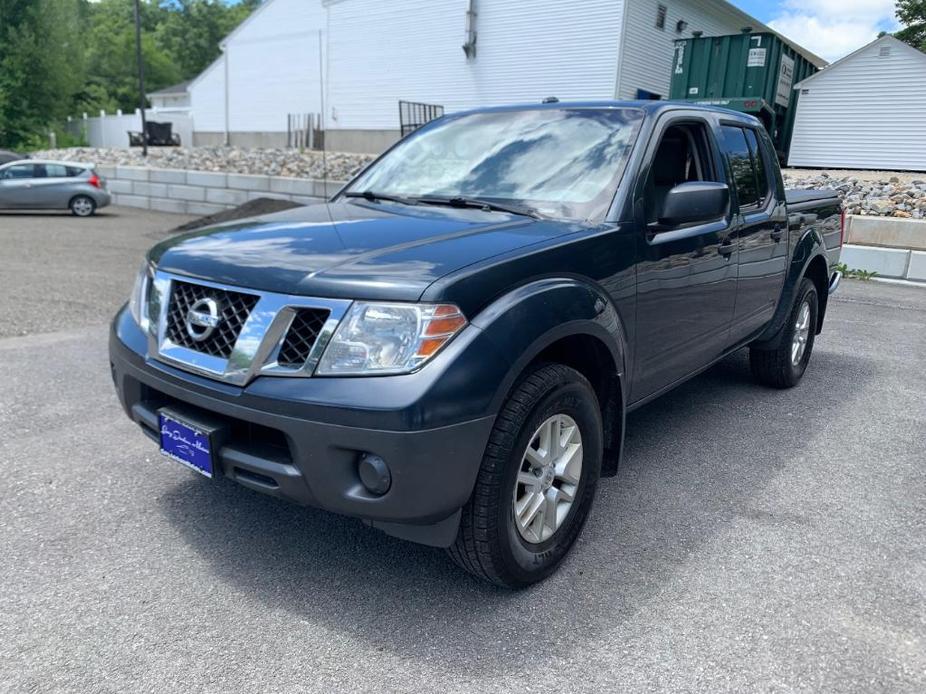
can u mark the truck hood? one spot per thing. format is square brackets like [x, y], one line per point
[364, 250]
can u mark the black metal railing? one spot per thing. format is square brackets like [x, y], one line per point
[303, 130]
[413, 115]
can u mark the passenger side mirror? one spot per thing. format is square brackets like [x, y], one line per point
[694, 201]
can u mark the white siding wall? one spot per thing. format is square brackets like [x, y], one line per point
[646, 62]
[270, 78]
[381, 52]
[207, 99]
[273, 68]
[866, 113]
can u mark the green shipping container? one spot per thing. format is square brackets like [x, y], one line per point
[752, 73]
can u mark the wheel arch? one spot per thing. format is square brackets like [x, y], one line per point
[82, 195]
[817, 273]
[807, 260]
[571, 322]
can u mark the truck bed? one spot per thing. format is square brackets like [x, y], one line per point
[801, 196]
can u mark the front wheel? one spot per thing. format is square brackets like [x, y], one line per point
[536, 482]
[82, 206]
[784, 366]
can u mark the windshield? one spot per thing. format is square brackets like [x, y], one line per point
[560, 162]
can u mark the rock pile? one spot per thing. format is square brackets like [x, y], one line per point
[889, 196]
[270, 162]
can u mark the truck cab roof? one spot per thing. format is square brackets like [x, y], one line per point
[650, 107]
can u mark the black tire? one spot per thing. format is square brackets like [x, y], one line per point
[82, 206]
[775, 367]
[489, 544]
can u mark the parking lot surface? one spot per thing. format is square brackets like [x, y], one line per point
[753, 540]
[59, 272]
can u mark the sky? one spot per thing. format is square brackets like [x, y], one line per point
[829, 28]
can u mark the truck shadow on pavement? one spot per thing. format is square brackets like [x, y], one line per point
[696, 461]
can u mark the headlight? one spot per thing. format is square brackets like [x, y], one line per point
[138, 302]
[389, 338]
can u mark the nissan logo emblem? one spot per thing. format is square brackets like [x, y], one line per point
[202, 319]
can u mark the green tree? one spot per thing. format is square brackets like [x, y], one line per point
[912, 13]
[192, 30]
[62, 57]
[41, 66]
[109, 35]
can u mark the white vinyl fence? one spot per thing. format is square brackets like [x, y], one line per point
[112, 130]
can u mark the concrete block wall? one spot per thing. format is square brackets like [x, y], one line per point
[894, 248]
[895, 263]
[205, 192]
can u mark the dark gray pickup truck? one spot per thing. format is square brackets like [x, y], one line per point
[448, 348]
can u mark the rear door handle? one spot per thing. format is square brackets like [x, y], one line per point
[726, 248]
[777, 233]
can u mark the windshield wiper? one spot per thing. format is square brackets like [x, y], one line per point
[373, 197]
[480, 204]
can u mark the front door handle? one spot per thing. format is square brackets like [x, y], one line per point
[726, 248]
[777, 233]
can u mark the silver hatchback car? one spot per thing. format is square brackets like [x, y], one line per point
[52, 185]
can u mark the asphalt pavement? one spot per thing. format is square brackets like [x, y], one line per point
[753, 540]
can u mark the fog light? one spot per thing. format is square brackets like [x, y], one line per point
[374, 473]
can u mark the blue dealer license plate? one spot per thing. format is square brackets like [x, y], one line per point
[186, 444]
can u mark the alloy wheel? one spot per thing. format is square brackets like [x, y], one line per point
[801, 334]
[548, 478]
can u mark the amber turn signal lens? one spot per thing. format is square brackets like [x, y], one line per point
[445, 322]
[445, 326]
[430, 346]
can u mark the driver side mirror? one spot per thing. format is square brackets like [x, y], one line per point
[694, 201]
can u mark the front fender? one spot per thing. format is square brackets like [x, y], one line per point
[527, 320]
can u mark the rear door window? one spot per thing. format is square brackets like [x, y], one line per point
[759, 164]
[56, 171]
[741, 166]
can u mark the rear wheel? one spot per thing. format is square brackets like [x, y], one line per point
[784, 366]
[537, 480]
[82, 206]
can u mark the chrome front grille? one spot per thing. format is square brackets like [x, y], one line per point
[246, 333]
[234, 310]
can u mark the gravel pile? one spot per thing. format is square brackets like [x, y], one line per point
[270, 162]
[881, 195]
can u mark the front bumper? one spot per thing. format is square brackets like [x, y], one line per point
[308, 451]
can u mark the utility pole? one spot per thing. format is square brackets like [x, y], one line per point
[141, 80]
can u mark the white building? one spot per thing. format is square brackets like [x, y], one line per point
[372, 54]
[172, 99]
[865, 111]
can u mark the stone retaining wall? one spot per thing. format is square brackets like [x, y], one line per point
[892, 247]
[895, 263]
[205, 192]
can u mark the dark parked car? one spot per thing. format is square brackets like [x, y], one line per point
[6, 156]
[52, 185]
[449, 348]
